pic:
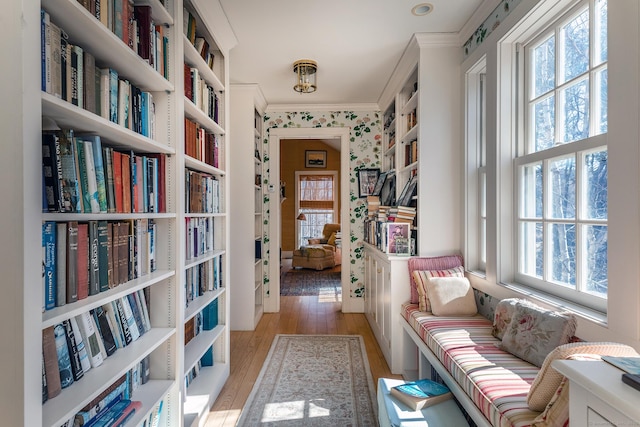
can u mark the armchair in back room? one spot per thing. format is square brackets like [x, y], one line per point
[328, 235]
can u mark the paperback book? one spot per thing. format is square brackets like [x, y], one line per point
[421, 394]
[629, 364]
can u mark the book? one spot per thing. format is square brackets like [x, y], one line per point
[72, 261]
[51, 170]
[92, 178]
[61, 264]
[89, 336]
[52, 372]
[94, 266]
[82, 274]
[49, 263]
[82, 350]
[64, 360]
[631, 379]
[421, 393]
[72, 345]
[104, 329]
[98, 163]
[69, 187]
[131, 321]
[103, 256]
[629, 364]
[120, 315]
[107, 153]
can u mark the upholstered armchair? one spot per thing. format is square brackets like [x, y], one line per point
[328, 236]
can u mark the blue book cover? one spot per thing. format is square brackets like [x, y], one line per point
[423, 388]
[629, 364]
[70, 187]
[207, 358]
[82, 175]
[144, 113]
[98, 164]
[113, 95]
[64, 361]
[49, 263]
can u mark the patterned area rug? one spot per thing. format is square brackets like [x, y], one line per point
[313, 380]
[307, 282]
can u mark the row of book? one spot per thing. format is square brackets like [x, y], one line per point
[134, 25]
[70, 73]
[200, 43]
[198, 91]
[204, 320]
[203, 278]
[202, 192]
[202, 145]
[84, 342]
[411, 152]
[199, 237]
[412, 119]
[396, 238]
[206, 360]
[86, 258]
[80, 175]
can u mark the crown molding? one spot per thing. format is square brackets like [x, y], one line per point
[287, 108]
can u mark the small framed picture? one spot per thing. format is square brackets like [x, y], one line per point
[398, 238]
[315, 159]
[378, 188]
[367, 180]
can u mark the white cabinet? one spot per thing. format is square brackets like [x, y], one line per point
[247, 107]
[387, 288]
[597, 395]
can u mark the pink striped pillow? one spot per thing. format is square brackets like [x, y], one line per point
[444, 262]
[422, 277]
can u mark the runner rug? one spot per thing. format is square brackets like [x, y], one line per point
[310, 282]
[313, 380]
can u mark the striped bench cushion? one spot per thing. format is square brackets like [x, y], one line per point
[495, 380]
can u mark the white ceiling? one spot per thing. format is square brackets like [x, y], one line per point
[357, 43]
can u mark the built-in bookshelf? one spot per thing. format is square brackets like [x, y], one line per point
[205, 249]
[247, 108]
[108, 230]
[105, 312]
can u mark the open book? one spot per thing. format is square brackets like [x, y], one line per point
[421, 393]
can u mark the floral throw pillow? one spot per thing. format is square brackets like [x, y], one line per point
[534, 332]
[504, 313]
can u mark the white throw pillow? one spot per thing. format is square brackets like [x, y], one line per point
[451, 296]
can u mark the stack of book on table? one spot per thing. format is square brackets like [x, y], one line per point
[421, 394]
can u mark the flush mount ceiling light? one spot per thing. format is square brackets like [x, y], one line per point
[305, 70]
[422, 9]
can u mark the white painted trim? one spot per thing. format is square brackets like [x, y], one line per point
[285, 108]
[272, 302]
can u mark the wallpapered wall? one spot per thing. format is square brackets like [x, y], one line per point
[365, 142]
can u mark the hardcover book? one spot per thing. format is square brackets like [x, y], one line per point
[61, 264]
[49, 263]
[100, 318]
[72, 261]
[72, 345]
[82, 350]
[70, 188]
[103, 256]
[629, 364]
[82, 274]
[94, 266]
[52, 373]
[421, 393]
[90, 337]
[92, 178]
[64, 361]
[51, 171]
[122, 319]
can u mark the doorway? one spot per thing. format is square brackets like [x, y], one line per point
[276, 135]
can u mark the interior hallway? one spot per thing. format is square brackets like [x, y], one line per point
[298, 315]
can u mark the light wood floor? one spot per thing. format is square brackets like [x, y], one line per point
[298, 315]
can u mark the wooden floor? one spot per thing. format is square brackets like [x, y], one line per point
[298, 315]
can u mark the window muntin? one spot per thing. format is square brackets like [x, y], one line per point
[317, 200]
[562, 173]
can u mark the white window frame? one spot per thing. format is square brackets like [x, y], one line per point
[577, 149]
[336, 218]
[476, 170]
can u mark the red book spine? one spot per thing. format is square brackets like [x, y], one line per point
[83, 260]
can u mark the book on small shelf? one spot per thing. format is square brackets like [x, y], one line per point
[629, 364]
[421, 394]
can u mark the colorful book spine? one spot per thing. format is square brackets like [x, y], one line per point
[49, 263]
[92, 181]
[64, 361]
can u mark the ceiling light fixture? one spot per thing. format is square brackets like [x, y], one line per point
[422, 9]
[305, 69]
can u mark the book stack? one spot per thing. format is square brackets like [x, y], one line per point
[421, 393]
[86, 258]
[373, 204]
[83, 176]
[405, 214]
[84, 342]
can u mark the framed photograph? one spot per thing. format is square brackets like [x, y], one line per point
[398, 238]
[378, 188]
[388, 192]
[410, 191]
[367, 180]
[315, 159]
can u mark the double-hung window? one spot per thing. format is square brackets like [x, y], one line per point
[561, 165]
[317, 200]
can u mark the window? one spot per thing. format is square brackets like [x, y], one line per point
[561, 166]
[317, 200]
[476, 230]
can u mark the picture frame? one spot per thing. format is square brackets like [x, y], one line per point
[409, 192]
[398, 238]
[388, 192]
[367, 181]
[378, 188]
[315, 158]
